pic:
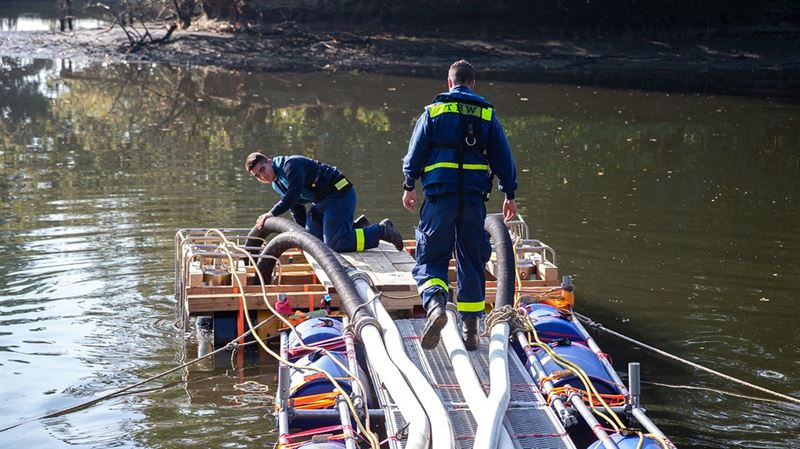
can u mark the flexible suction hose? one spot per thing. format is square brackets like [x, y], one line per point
[490, 421]
[506, 266]
[432, 426]
[352, 301]
[471, 387]
[295, 236]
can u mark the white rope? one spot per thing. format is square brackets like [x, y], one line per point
[713, 390]
[596, 325]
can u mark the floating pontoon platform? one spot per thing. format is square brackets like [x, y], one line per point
[304, 283]
[215, 280]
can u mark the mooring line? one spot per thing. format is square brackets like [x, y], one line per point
[595, 325]
[713, 390]
[228, 347]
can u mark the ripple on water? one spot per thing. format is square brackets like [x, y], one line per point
[712, 316]
[769, 374]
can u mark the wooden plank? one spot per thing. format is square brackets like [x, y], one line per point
[288, 268]
[547, 272]
[203, 300]
[300, 278]
[396, 257]
[199, 305]
[405, 266]
[378, 266]
[255, 289]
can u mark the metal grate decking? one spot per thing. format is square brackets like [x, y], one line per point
[531, 424]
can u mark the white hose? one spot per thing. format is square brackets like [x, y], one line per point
[419, 429]
[468, 381]
[441, 427]
[491, 418]
[410, 408]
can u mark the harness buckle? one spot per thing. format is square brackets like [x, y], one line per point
[472, 142]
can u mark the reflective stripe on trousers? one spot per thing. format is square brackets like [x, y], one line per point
[331, 220]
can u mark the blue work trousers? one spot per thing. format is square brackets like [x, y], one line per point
[441, 230]
[332, 221]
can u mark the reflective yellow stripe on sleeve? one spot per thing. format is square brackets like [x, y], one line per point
[359, 239]
[434, 282]
[477, 306]
[454, 165]
[341, 184]
[466, 109]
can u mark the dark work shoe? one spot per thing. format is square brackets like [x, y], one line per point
[390, 234]
[437, 318]
[470, 333]
[361, 221]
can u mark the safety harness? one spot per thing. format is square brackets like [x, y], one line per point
[469, 138]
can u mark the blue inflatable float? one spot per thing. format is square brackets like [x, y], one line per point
[628, 442]
[582, 356]
[314, 331]
[325, 445]
[551, 324]
[305, 382]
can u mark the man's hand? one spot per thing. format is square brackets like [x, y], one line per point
[262, 219]
[509, 210]
[409, 199]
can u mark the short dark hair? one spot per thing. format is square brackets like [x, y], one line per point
[461, 72]
[253, 159]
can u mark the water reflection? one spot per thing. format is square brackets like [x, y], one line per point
[35, 23]
[40, 15]
[677, 214]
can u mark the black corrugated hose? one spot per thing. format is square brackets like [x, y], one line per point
[293, 236]
[506, 263]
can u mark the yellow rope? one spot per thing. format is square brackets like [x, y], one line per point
[616, 423]
[363, 427]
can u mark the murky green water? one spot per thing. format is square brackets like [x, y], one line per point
[677, 214]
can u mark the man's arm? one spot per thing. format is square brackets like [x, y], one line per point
[501, 161]
[295, 176]
[414, 161]
[418, 151]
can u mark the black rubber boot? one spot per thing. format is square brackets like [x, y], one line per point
[390, 234]
[437, 318]
[470, 333]
[361, 222]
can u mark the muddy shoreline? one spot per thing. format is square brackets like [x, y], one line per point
[762, 63]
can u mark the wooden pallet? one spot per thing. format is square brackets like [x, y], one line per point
[298, 281]
[305, 284]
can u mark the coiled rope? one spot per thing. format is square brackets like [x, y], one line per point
[595, 325]
[505, 314]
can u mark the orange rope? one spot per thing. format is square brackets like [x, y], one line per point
[315, 401]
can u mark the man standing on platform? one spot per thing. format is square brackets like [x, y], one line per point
[332, 198]
[457, 147]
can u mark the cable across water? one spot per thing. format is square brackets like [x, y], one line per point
[595, 325]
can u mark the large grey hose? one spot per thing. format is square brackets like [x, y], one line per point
[325, 257]
[506, 258]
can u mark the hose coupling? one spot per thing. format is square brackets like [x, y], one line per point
[366, 321]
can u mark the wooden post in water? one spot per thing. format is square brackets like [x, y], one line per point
[65, 14]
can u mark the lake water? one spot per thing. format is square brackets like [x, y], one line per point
[44, 15]
[678, 216]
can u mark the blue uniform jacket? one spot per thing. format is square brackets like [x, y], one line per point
[301, 180]
[439, 135]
